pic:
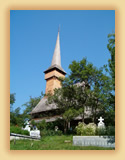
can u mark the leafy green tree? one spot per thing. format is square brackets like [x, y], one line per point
[65, 99]
[82, 71]
[12, 100]
[110, 68]
[111, 61]
[17, 118]
[42, 125]
[30, 105]
[86, 86]
[99, 94]
[99, 85]
[12, 115]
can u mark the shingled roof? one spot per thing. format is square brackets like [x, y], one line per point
[55, 66]
[43, 106]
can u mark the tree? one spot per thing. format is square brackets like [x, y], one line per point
[82, 71]
[65, 100]
[111, 61]
[12, 100]
[85, 86]
[99, 85]
[99, 94]
[12, 115]
[111, 64]
[30, 105]
[17, 118]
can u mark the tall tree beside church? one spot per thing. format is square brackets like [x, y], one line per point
[65, 99]
[111, 65]
[12, 100]
[111, 61]
[15, 116]
[33, 101]
[98, 82]
[85, 86]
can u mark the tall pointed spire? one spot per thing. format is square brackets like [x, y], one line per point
[56, 56]
[56, 61]
[55, 71]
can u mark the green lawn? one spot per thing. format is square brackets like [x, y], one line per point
[50, 143]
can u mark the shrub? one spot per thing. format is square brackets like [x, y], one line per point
[86, 130]
[33, 122]
[59, 133]
[15, 129]
[42, 125]
[58, 122]
[101, 131]
[111, 130]
[80, 129]
[46, 132]
[43, 132]
[25, 132]
[18, 130]
[91, 129]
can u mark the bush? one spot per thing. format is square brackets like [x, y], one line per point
[59, 133]
[101, 131]
[48, 129]
[15, 129]
[33, 122]
[42, 125]
[111, 130]
[18, 130]
[80, 129]
[91, 129]
[86, 130]
[25, 132]
[58, 122]
[47, 133]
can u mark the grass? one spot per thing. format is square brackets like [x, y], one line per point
[51, 143]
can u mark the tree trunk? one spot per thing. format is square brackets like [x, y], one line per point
[68, 125]
[94, 114]
[83, 117]
[65, 127]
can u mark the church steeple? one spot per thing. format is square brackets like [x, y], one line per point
[56, 60]
[56, 56]
[55, 71]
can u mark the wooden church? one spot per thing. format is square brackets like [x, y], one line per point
[50, 112]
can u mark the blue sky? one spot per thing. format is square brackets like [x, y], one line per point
[32, 41]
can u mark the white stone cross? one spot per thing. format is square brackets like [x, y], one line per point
[100, 120]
